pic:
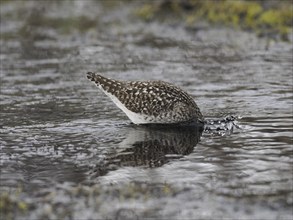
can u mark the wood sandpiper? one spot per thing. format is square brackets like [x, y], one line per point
[150, 102]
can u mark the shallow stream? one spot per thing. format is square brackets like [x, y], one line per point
[68, 152]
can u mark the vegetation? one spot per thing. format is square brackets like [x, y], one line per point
[266, 18]
[12, 204]
[59, 203]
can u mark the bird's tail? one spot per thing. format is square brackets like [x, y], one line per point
[94, 77]
[108, 85]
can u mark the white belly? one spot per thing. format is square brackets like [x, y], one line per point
[136, 118]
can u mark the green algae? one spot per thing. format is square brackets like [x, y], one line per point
[10, 204]
[147, 12]
[59, 203]
[265, 19]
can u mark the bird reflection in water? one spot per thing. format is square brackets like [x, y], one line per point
[151, 146]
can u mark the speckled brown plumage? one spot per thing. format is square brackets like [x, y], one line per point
[150, 101]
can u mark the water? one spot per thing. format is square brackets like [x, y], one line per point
[68, 152]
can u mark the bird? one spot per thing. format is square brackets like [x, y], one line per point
[150, 102]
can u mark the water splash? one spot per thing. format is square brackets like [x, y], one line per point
[222, 126]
